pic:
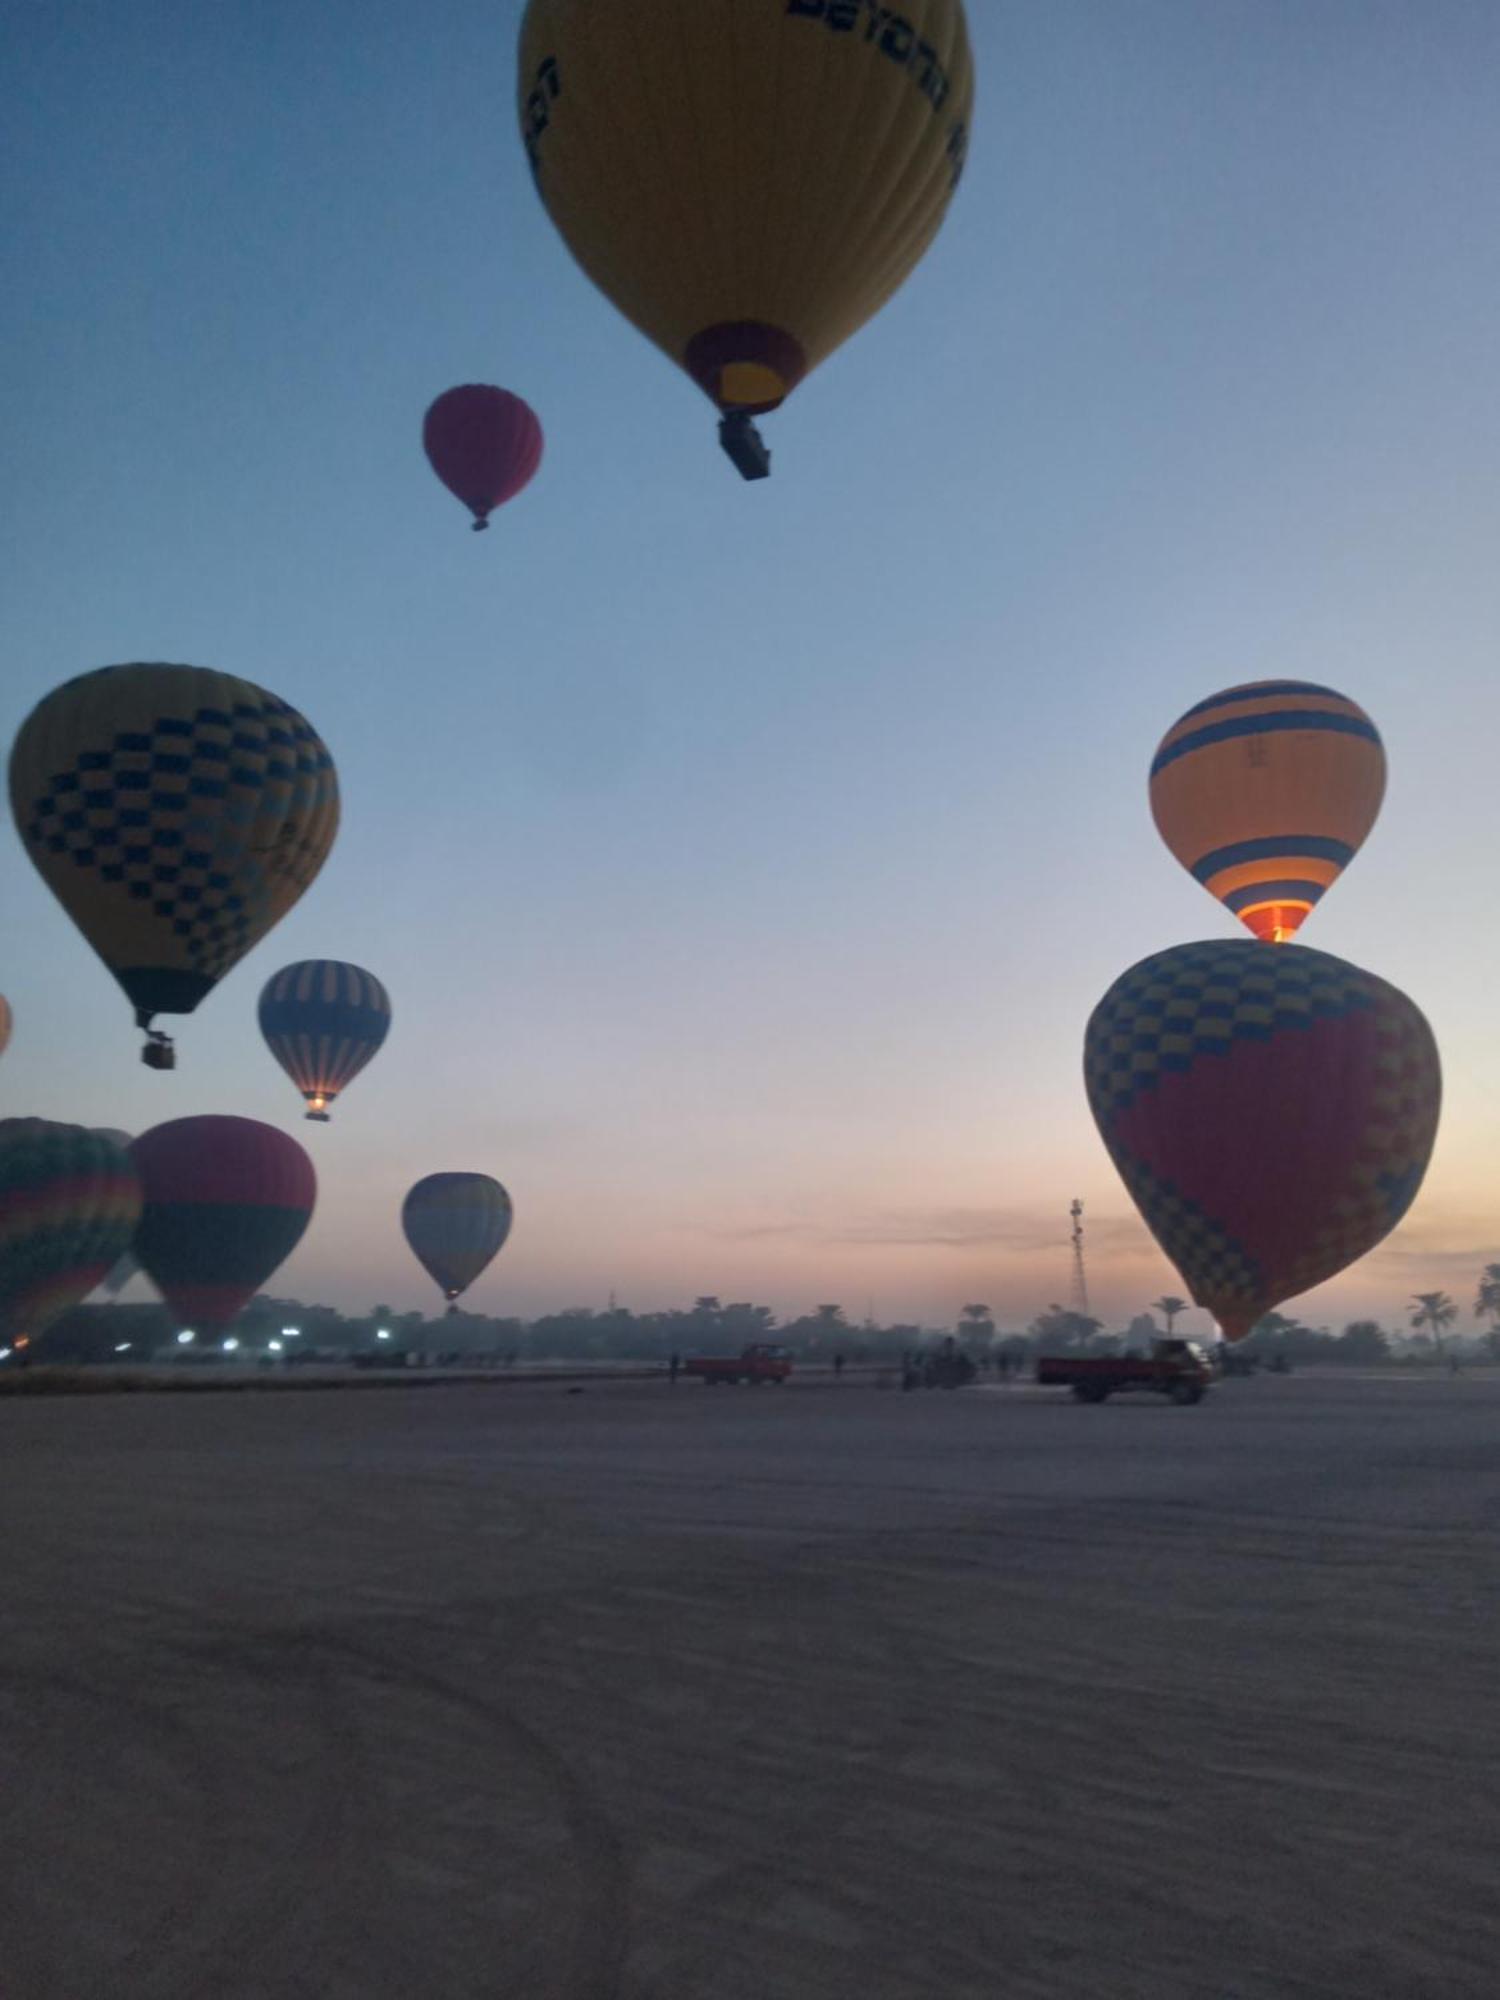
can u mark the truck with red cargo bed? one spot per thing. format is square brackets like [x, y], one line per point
[754, 1364]
[1178, 1369]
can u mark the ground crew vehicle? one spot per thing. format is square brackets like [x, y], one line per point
[756, 1364]
[1176, 1368]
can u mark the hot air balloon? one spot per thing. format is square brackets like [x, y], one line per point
[227, 1201]
[70, 1200]
[484, 444]
[6, 1021]
[748, 180]
[455, 1224]
[1265, 794]
[176, 813]
[1271, 1113]
[323, 1020]
[125, 1266]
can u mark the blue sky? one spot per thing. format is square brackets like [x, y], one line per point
[744, 861]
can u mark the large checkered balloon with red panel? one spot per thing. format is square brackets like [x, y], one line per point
[1271, 1109]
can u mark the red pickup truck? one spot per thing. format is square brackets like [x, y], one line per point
[1175, 1368]
[755, 1364]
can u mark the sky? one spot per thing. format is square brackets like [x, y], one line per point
[744, 860]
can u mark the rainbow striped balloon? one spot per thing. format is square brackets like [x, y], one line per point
[1265, 794]
[323, 1020]
[70, 1201]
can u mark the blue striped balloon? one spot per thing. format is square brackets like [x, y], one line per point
[323, 1020]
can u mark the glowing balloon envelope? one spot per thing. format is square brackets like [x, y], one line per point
[176, 813]
[455, 1224]
[323, 1021]
[484, 444]
[1265, 794]
[747, 180]
[1272, 1114]
[70, 1200]
[226, 1202]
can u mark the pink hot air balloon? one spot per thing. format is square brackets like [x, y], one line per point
[484, 444]
[226, 1202]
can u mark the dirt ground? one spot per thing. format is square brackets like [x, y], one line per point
[645, 1693]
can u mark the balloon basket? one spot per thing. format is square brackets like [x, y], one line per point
[745, 447]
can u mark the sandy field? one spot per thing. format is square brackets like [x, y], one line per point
[645, 1693]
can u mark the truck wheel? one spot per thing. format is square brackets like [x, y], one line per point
[1083, 1392]
[1186, 1392]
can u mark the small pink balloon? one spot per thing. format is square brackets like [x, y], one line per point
[484, 444]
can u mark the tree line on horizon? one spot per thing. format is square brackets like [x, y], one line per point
[116, 1331]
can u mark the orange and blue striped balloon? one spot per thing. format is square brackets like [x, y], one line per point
[1265, 794]
[323, 1020]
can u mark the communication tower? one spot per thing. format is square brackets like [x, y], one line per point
[1079, 1296]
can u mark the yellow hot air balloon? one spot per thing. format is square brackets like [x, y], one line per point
[176, 813]
[747, 180]
[5, 1024]
[1265, 794]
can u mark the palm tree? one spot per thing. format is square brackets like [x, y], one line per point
[1170, 1306]
[1487, 1299]
[1434, 1310]
[976, 1329]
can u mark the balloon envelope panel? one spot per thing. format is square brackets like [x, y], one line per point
[747, 180]
[176, 813]
[1272, 1114]
[124, 1268]
[1265, 793]
[70, 1201]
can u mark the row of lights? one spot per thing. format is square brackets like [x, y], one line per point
[228, 1345]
